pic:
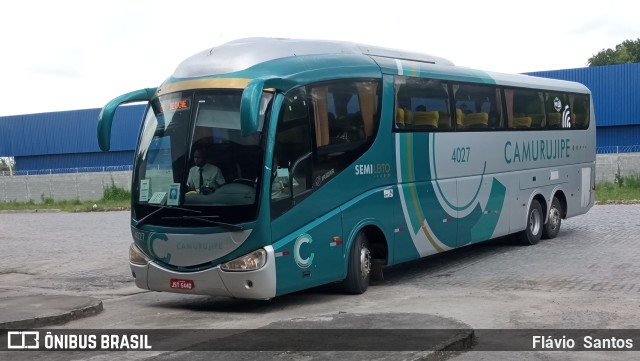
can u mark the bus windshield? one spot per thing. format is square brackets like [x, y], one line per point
[192, 154]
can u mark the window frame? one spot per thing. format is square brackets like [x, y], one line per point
[451, 111]
[567, 94]
[506, 119]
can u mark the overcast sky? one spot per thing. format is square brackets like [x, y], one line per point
[64, 55]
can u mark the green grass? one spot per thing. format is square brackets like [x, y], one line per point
[114, 198]
[625, 190]
[116, 194]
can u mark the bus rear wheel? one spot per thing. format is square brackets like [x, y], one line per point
[359, 272]
[532, 234]
[552, 227]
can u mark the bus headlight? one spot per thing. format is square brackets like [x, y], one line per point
[136, 256]
[249, 262]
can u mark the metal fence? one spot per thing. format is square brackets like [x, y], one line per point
[119, 168]
[615, 149]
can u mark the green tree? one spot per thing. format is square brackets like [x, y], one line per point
[6, 164]
[626, 52]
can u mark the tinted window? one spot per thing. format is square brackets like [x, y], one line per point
[478, 107]
[422, 104]
[558, 110]
[525, 108]
[345, 118]
[322, 129]
[580, 108]
[291, 153]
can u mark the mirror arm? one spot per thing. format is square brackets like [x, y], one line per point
[105, 119]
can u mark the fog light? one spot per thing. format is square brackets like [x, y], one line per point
[249, 262]
[136, 256]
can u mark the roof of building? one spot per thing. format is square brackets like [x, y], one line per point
[66, 132]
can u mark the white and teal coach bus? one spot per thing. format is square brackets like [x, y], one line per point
[324, 161]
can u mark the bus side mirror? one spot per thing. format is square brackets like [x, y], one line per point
[250, 107]
[252, 100]
[105, 119]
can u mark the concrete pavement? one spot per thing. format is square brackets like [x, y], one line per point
[442, 334]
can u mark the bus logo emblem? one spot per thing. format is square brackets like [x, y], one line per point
[302, 262]
[557, 104]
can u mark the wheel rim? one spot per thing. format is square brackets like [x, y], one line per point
[554, 218]
[365, 262]
[534, 221]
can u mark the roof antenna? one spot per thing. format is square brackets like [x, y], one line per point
[216, 43]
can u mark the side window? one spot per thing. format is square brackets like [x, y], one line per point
[345, 118]
[558, 110]
[478, 107]
[291, 169]
[525, 108]
[580, 110]
[321, 130]
[422, 104]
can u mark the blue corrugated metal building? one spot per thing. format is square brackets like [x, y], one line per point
[60, 140]
[616, 99]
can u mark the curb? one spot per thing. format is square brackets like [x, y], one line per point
[93, 308]
[459, 344]
[39, 210]
[461, 340]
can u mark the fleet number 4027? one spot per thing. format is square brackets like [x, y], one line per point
[461, 154]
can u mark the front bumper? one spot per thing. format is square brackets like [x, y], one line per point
[258, 284]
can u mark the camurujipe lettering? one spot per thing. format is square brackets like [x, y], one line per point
[536, 150]
[199, 246]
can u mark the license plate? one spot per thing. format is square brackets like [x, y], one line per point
[181, 284]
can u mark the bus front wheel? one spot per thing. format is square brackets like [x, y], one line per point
[532, 234]
[359, 272]
[552, 227]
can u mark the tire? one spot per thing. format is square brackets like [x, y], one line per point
[359, 272]
[552, 227]
[532, 234]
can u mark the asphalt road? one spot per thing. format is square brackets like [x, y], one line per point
[587, 277]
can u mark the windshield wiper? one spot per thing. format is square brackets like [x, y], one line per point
[205, 219]
[162, 208]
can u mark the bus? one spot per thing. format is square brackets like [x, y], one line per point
[267, 166]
